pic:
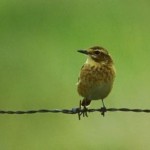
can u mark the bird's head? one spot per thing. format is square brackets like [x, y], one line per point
[98, 54]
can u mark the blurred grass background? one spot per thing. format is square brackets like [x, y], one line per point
[39, 67]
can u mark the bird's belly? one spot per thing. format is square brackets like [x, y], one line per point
[99, 91]
[95, 92]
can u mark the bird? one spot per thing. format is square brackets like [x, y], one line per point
[96, 77]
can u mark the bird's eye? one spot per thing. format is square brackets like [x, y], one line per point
[97, 52]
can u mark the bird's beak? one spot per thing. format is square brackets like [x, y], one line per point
[83, 51]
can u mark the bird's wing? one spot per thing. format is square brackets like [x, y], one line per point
[79, 74]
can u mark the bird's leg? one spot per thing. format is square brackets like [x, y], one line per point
[85, 103]
[103, 103]
[83, 111]
[79, 110]
[103, 109]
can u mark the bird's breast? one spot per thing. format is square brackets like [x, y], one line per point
[95, 82]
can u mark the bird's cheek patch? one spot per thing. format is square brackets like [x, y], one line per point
[94, 56]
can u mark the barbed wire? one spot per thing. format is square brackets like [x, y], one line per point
[73, 111]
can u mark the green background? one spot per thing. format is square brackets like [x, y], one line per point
[39, 67]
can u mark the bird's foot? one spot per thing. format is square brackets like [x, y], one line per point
[81, 111]
[103, 110]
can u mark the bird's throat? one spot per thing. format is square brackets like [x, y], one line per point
[91, 62]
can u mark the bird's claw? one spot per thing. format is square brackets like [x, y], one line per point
[81, 111]
[103, 110]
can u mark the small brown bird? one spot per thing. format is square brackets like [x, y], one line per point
[96, 77]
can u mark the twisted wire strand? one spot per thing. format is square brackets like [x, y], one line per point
[73, 111]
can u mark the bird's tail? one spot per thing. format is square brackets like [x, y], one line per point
[85, 102]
